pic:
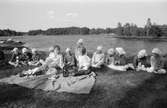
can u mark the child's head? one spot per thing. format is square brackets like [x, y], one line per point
[24, 50]
[142, 53]
[120, 51]
[15, 50]
[51, 49]
[56, 49]
[34, 51]
[111, 51]
[99, 49]
[156, 52]
[68, 51]
[80, 42]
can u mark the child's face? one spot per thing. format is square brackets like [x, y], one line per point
[56, 51]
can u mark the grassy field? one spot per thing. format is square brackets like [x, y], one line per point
[112, 89]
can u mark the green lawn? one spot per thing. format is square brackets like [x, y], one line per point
[112, 89]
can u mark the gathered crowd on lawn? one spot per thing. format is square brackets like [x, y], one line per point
[76, 64]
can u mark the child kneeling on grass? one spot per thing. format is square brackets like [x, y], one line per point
[98, 58]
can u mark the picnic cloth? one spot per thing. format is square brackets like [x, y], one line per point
[118, 68]
[78, 85]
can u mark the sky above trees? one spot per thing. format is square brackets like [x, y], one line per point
[24, 15]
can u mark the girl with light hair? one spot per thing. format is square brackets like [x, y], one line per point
[140, 61]
[79, 47]
[98, 58]
[156, 62]
[15, 59]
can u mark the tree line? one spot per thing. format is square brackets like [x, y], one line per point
[128, 29]
[8, 32]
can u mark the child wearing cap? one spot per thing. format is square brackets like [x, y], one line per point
[98, 58]
[156, 62]
[15, 59]
[140, 61]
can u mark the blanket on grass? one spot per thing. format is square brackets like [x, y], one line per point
[78, 85]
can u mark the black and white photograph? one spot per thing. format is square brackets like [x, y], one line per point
[83, 53]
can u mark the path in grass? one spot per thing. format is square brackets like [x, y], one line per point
[112, 89]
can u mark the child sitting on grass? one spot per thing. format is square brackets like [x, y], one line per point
[156, 62]
[15, 60]
[84, 63]
[69, 62]
[140, 61]
[80, 45]
[98, 58]
[110, 58]
[26, 56]
[35, 60]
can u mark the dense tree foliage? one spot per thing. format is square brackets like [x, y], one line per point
[8, 32]
[149, 30]
[127, 29]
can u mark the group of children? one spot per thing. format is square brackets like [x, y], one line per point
[25, 57]
[79, 63]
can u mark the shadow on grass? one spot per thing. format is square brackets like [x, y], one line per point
[152, 93]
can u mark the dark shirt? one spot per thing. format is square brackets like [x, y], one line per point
[142, 61]
[35, 57]
[69, 60]
[26, 57]
[109, 59]
[120, 60]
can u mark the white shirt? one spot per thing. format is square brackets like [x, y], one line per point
[98, 59]
[84, 62]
